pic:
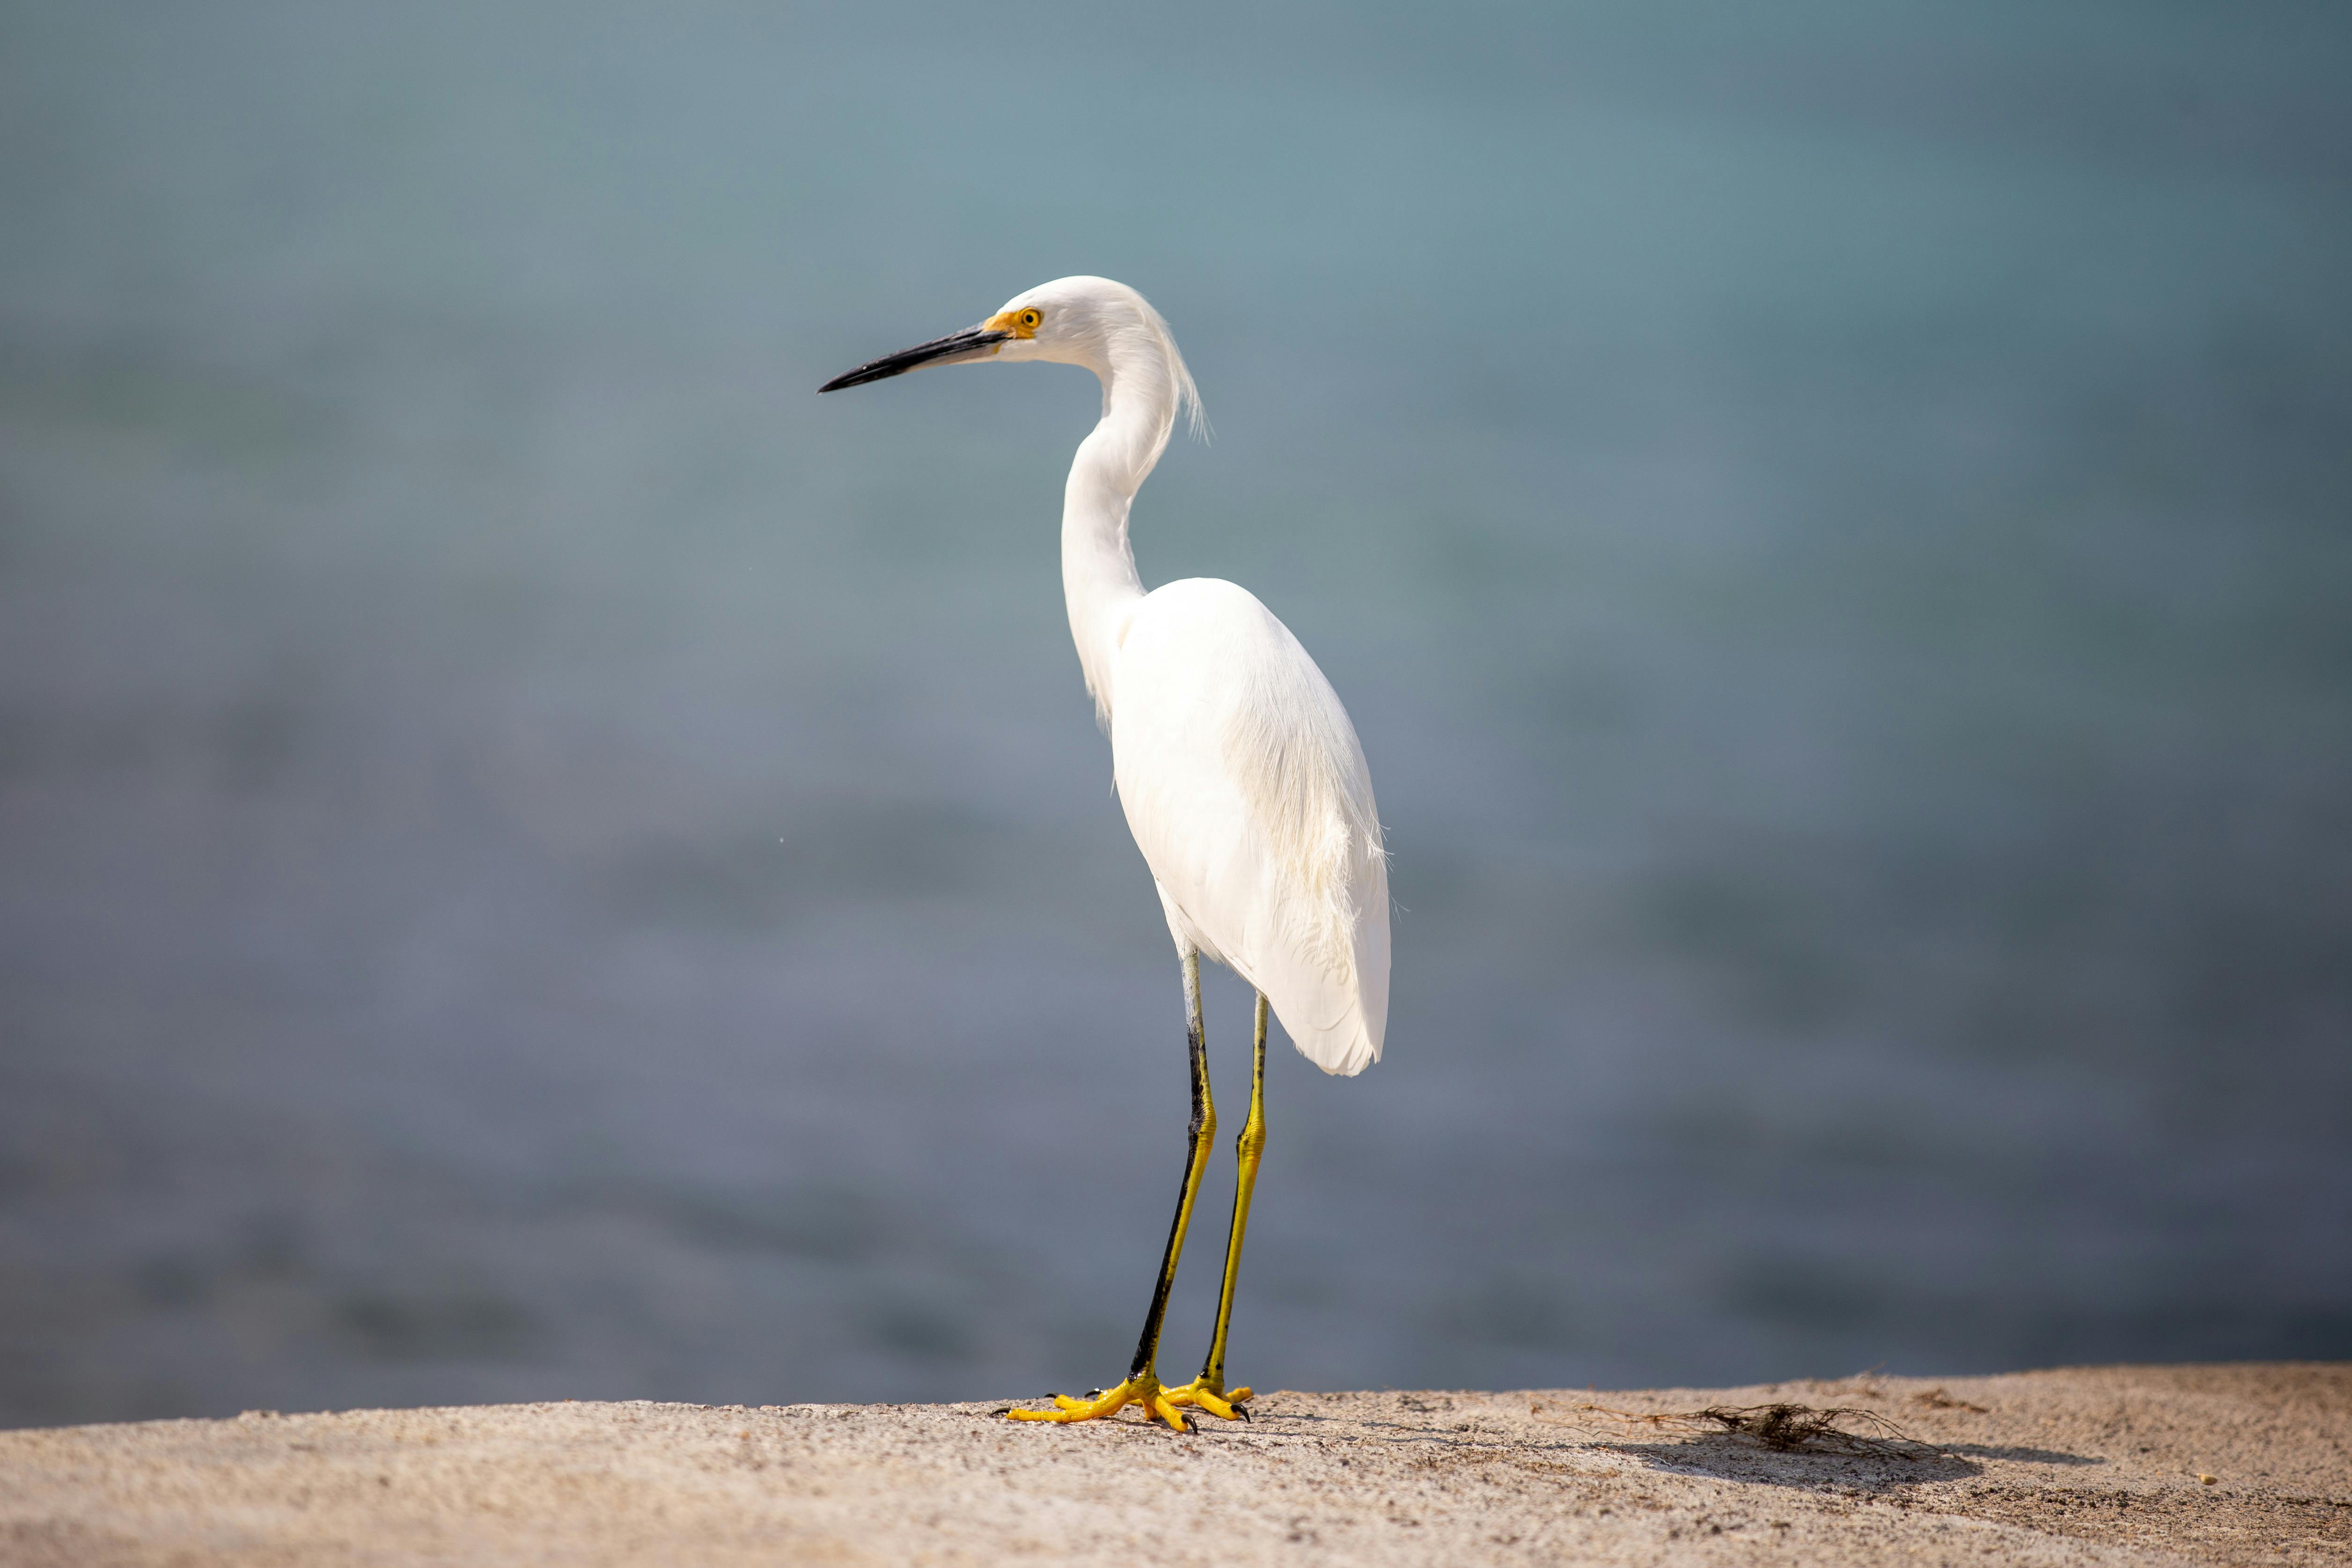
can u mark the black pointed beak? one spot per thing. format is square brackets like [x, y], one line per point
[955, 347]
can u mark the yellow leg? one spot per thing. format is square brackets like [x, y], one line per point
[1141, 1386]
[1208, 1390]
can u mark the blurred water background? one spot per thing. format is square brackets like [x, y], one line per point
[539, 859]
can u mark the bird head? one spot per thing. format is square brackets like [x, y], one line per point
[1092, 321]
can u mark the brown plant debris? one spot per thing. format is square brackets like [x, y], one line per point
[1938, 1398]
[1783, 1427]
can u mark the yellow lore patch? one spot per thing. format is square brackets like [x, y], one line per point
[1020, 323]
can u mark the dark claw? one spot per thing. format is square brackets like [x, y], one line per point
[1005, 1411]
[1242, 1411]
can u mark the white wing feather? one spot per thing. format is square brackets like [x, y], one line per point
[1247, 790]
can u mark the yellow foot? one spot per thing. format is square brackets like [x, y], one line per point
[1211, 1398]
[1143, 1390]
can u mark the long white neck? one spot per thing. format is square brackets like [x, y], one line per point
[1098, 576]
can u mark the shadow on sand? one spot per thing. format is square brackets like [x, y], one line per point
[1876, 1470]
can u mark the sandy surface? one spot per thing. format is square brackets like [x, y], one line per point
[2100, 1465]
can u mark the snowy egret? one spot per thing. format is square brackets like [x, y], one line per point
[1238, 769]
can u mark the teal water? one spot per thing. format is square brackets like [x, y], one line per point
[538, 859]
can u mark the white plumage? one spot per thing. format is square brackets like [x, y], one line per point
[1248, 795]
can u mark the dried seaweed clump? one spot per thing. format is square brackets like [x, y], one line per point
[1792, 1426]
[1785, 1427]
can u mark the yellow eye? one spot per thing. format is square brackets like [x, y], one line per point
[1019, 323]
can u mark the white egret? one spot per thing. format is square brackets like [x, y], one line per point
[1238, 769]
